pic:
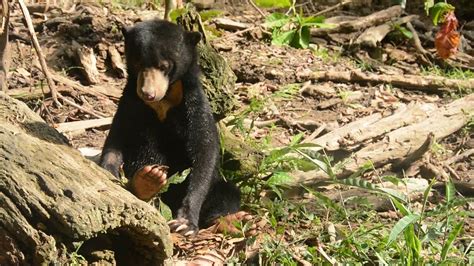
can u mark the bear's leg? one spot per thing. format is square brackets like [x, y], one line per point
[223, 199]
[221, 209]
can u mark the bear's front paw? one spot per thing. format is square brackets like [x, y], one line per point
[183, 226]
[148, 181]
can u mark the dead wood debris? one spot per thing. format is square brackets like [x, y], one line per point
[83, 124]
[362, 22]
[229, 24]
[462, 156]
[402, 81]
[329, 9]
[396, 145]
[44, 67]
[87, 61]
[4, 46]
[116, 61]
[374, 35]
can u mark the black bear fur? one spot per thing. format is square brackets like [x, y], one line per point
[187, 138]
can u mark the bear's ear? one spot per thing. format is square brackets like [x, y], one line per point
[193, 37]
[125, 30]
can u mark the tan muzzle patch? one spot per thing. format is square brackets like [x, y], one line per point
[152, 85]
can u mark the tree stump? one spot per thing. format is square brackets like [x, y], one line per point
[58, 207]
[218, 79]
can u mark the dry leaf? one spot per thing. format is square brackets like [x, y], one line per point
[447, 38]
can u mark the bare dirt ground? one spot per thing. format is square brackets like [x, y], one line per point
[271, 75]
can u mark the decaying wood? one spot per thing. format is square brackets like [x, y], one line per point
[374, 35]
[84, 124]
[116, 61]
[239, 156]
[99, 91]
[416, 155]
[229, 24]
[460, 157]
[44, 67]
[403, 81]
[404, 141]
[403, 116]
[399, 144]
[361, 23]
[52, 198]
[4, 46]
[330, 141]
[85, 58]
[218, 79]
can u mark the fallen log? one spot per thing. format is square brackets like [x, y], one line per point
[53, 201]
[416, 82]
[374, 19]
[402, 117]
[401, 143]
[330, 141]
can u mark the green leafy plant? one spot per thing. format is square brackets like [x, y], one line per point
[294, 29]
[273, 3]
[177, 178]
[437, 11]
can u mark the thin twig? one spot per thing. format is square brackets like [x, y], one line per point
[343, 3]
[4, 46]
[417, 44]
[44, 67]
[233, 34]
[256, 8]
[459, 157]
[85, 110]
[315, 133]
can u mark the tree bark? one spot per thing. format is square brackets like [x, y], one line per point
[218, 79]
[55, 205]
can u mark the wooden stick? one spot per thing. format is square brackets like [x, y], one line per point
[44, 67]
[459, 157]
[315, 133]
[329, 9]
[256, 8]
[84, 124]
[4, 46]
[85, 110]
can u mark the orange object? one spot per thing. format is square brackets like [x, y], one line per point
[447, 38]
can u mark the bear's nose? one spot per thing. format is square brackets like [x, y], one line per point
[149, 96]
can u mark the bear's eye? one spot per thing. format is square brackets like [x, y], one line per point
[164, 66]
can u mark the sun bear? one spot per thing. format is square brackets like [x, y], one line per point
[164, 125]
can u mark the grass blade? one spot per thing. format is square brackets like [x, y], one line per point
[401, 225]
[449, 242]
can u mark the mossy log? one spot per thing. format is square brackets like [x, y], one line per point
[52, 200]
[218, 79]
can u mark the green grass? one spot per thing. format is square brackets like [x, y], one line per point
[129, 3]
[455, 73]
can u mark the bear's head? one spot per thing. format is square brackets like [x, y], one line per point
[158, 54]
